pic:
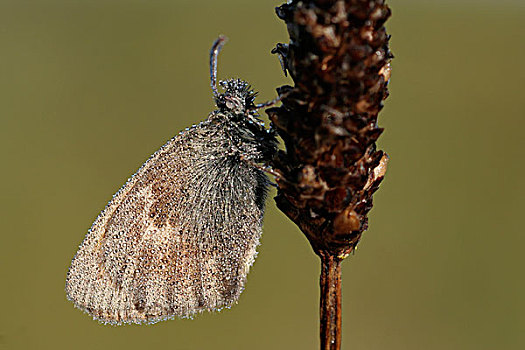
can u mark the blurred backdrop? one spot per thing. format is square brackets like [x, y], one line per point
[89, 89]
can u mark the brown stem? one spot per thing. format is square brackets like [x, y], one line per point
[330, 304]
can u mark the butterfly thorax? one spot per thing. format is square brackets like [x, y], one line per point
[237, 117]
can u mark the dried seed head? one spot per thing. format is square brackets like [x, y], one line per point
[338, 57]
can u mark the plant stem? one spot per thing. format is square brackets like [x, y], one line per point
[330, 303]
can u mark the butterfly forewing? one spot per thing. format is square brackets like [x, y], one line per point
[178, 238]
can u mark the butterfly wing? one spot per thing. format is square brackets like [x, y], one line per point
[178, 238]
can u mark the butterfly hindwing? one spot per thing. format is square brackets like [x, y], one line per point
[178, 238]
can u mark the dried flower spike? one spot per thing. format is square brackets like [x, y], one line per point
[338, 58]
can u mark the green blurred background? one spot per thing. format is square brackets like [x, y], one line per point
[89, 89]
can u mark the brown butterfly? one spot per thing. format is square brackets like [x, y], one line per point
[180, 236]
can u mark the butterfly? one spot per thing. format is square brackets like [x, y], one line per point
[180, 236]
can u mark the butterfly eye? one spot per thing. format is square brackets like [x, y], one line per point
[230, 104]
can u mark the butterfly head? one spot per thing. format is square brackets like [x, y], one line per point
[238, 96]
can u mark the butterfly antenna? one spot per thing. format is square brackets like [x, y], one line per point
[214, 52]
